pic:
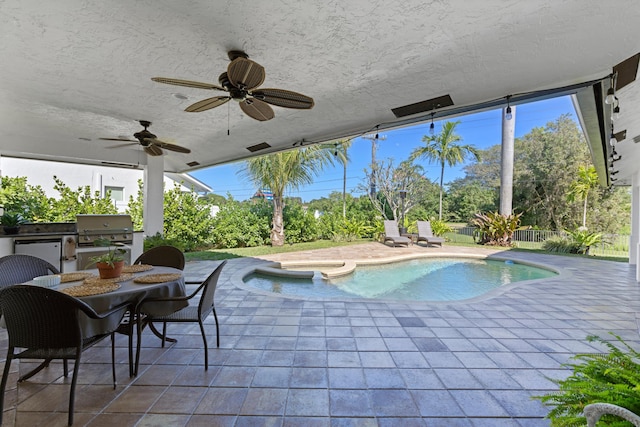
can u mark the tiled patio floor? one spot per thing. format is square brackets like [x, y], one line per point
[294, 362]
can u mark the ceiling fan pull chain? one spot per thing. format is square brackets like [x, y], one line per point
[228, 120]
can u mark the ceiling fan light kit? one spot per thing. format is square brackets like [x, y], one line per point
[240, 81]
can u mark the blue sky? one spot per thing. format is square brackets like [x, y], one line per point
[481, 130]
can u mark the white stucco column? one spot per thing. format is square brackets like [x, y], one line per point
[153, 195]
[634, 239]
[506, 162]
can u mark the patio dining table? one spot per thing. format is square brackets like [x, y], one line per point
[131, 292]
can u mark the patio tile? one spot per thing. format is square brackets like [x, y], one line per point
[265, 401]
[429, 344]
[350, 403]
[347, 378]
[436, 403]
[409, 359]
[222, 401]
[234, 376]
[179, 400]
[211, 421]
[478, 403]
[389, 403]
[271, 377]
[384, 378]
[421, 379]
[309, 378]
[308, 402]
[457, 379]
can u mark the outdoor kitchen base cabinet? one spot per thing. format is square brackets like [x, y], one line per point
[49, 250]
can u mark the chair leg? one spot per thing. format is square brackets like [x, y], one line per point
[139, 327]
[113, 359]
[206, 350]
[5, 376]
[65, 367]
[164, 333]
[215, 316]
[74, 379]
[45, 363]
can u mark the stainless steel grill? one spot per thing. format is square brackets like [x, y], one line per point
[118, 229]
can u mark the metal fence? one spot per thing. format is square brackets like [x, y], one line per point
[612, 244]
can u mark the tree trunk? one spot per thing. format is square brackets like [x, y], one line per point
[441, 181]
[344, 191]
[584, 213]
[277, 231]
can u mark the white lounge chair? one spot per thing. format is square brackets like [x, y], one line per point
[392, 234]
[425, 234]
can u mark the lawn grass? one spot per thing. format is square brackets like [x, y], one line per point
[220, 254]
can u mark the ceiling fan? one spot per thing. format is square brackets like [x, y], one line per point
[241, 81]
[150, 143]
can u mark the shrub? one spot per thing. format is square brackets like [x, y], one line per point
[584, 240]
[495, 229]
[606, 378]
[239, 225]
[160, 240]
[439, 227]
[299, 224]
[349, 230]
[560, 244]
[576, 242]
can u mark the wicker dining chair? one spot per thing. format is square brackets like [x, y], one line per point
[45, 324]
[167, 256]
[190, 314]
[20, 268]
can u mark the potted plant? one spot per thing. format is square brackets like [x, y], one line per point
[11, 222]
[110, 263]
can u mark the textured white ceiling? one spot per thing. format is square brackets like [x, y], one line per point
[80, 69]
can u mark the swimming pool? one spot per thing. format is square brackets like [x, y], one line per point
[432, 279]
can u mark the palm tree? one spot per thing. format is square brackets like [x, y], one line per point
[442, 148]
[341, 153]
[579, 190]
[283, 171]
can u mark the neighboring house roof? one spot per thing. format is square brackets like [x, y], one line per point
[188, 181]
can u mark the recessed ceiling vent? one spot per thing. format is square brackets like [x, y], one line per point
[192, 164]
[636, 139]
[258, 147]
[423, 106]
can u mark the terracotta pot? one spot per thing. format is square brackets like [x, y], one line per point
[108, 272]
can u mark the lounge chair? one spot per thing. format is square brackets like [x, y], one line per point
[425, 234]
[392, 234]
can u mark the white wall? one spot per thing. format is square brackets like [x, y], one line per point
[74, 175]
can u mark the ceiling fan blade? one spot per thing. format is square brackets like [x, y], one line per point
[207, 104]
[245, 74]
[118, 139]
[284, 98]
[124, 145]
[187, 83]
[153, 150]
[169, 146]
[257, 109]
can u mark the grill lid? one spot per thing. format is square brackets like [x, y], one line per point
[115, 228]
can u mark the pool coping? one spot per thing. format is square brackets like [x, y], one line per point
[347, 266]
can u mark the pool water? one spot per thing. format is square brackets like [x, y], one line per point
[435, 279]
